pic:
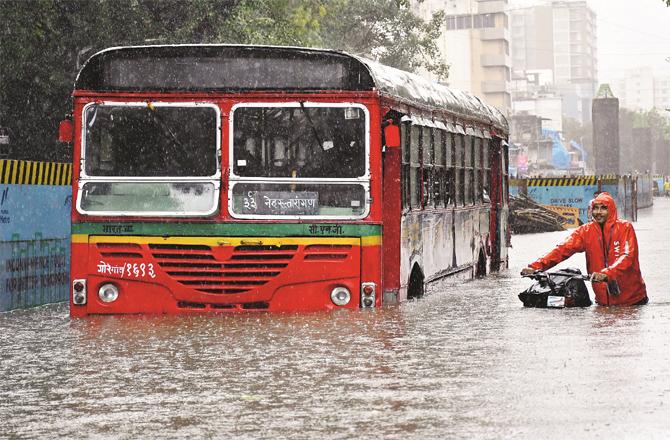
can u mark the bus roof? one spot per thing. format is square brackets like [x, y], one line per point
[224, 67]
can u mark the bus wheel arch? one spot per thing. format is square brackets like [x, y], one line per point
[415, 288]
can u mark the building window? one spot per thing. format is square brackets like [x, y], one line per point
[464, 22]
[477, 21]
[451, 22]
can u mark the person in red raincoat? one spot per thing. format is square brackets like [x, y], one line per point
[611, 255]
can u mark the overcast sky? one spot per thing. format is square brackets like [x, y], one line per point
[631, 34]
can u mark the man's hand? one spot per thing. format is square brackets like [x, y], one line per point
[598, 277]
[527, 271]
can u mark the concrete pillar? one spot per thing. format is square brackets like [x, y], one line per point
[605, 114]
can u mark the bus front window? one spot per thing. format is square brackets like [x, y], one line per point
[300, 141]
[149, 159]
[299, 159]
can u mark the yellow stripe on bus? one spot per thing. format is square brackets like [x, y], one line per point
[374, 240]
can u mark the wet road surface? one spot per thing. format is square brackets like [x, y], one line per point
[463, 362]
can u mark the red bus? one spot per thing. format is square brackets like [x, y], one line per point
[226, 178]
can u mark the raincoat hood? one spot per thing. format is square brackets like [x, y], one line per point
[606, 199]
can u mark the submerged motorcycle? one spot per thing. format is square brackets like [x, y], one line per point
[558, 289]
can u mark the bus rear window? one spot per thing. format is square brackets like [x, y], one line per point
[150, 140]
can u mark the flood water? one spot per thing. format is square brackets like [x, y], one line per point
[463, 362]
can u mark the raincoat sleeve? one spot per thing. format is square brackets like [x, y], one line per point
[628, 255]
[573, 244]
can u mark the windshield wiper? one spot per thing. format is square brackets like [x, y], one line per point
[165, 128]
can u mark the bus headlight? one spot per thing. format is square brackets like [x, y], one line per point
[108, 293]
[79, 292]
[340, 296]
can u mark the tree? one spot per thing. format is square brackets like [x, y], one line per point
[385, 30]
[646, 153]
[48, 40]
[388, 31]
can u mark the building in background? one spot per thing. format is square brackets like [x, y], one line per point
[559, 37]
[643, 90]
[533, 93]
[475, 43]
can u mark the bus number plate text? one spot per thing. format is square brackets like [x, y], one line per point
[127, 270]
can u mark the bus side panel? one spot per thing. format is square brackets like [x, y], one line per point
[499, 207]
[504, 231]
[411, 248]
[483, 235]
[437, 231]
[427, 241]
[466, 222]
[495, 242]
[391, 232]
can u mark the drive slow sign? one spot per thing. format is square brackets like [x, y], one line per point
[569, 213]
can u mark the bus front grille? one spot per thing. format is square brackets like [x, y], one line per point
[248, 266]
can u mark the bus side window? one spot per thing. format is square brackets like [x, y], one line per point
[449, 164]
[468, 175]
[427, 167]
[486, 166]
[438, 167]
[415, 167]
[478, 188]
[404, 171]
[459, 171]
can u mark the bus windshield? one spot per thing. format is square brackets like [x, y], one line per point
[299, 141]
[150, 140]
[150, 159]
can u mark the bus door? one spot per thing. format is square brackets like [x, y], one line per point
[498, 200]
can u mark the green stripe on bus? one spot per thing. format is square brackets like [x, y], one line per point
[232, 229]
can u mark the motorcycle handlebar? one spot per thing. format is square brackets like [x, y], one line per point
[540, 274]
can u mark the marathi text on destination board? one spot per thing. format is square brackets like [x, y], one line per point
[281, 203]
